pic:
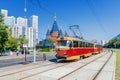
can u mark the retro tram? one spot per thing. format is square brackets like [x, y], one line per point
[69, 48]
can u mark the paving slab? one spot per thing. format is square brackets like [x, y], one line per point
[59, 72]
[86, 73]
[108, 72]
[89, 71]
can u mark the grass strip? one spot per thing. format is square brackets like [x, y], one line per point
[117, 75]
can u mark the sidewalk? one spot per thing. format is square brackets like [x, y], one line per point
[46, 70]
[14, 55]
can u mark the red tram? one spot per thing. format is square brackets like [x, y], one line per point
[69, 48]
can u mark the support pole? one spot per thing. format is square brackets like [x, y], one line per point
[34, 55]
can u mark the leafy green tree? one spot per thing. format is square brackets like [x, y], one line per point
[50, 41]
[66, 34]
[3, 33]
[22, 41]
[114, 43]
[82, 37]
[12, 43]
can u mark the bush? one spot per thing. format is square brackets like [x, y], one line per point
[45, 50]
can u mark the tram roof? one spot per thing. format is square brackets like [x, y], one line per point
[75, 39]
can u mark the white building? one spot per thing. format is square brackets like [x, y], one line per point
[17, 31]
[4, 12]
[22, 21]
[30, 37]
[9, 21]
[20, 27]
[103, 42]
[34, 24]
[22, 24]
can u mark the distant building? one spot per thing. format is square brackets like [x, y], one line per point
[30, 37]
[103, 42]
[22, 21]
[34, 25]
[4, 12]
[9, 21]
[19, 27]
[22, 25]
[15, 31]
[55, 32]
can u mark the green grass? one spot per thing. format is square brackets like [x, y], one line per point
[45, 50]
[117, 75]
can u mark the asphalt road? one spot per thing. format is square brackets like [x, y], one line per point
[17, 61]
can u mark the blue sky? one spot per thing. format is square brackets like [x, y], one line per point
[98, 19]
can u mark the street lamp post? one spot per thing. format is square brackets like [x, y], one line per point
[25, 46]
[34, 55]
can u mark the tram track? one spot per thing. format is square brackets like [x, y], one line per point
[98, 73]
[91, 76]
[80, 68]
[38, 67]
[61, 66]
[49, 69]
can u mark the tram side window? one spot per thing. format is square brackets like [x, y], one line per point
[75, 43]
[80, 44]
[87, 44]
[69, 44]
[83, 44]
[91, 45]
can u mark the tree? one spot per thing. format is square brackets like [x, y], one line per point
[50, 41]
[66, 34]
[114, 43]
[12, 43]
[3, 33]
[22, 41]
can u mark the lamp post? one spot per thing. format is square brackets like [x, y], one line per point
[25, 46]
[34, 55]
[24, 49]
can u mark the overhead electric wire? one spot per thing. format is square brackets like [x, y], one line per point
[96, 17]
[41, 7]
[48, 11]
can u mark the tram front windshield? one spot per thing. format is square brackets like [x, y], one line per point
[65, 43]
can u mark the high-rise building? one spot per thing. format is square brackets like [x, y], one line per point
[22, 24]
[22, 21]
[9, 21]
[15, 31]
[34, 24]
[4, 12]
[20, 27]
[30, 37]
